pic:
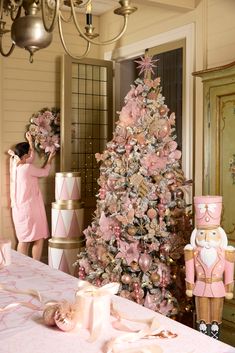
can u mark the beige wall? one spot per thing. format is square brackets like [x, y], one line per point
[26, 88]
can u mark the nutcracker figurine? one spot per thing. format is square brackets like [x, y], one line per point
[209, 263]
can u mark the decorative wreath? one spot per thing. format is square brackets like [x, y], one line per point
[44, 128]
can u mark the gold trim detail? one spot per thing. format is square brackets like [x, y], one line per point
[188, 255]
[68, 174]
[230, 255]
[209, 280]
[67, 205]
[68, 239]
[59, 245]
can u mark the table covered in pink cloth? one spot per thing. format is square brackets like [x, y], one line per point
[22, 329]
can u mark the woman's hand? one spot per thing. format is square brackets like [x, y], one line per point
[51, 156]
[29, 139]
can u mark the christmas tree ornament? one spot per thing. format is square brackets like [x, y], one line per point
[126, 278]
[65, 317]
[155, 277]
[145, 261]
[151, 213]
[131, 230]
[49, 314]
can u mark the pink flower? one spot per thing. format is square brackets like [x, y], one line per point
[129, 114]
[106, 226]
[152, 83]
[152, 163]
[99, 157]
[128, 252]
[174, 156]
[85, 263]
[43, 123]
[50, 144]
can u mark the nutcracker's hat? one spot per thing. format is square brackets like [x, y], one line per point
[207, 211]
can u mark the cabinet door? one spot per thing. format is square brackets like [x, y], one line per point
[227, 163]
[220, 153]
[219, 161]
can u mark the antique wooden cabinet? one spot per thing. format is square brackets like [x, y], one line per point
[219, 159]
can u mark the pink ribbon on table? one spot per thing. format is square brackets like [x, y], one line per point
[30, 292]
[150, 331]
[93, 305]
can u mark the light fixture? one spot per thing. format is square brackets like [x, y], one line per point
[33, 30]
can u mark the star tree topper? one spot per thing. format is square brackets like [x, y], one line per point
[146, 65]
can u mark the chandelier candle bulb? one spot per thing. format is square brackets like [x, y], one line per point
[88, 15]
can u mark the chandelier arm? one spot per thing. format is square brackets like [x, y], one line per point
[98, 42]
[65, 47]
[13, 18]
[10, 50]
[55, 15]
[66, 20]
[84, 4]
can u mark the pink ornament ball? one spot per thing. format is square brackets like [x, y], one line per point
[65, 318]
[151, 213]
[145, 262]
[126, 278]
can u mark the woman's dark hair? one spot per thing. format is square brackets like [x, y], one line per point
[21, 149]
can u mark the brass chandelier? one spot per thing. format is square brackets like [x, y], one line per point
[33, 29]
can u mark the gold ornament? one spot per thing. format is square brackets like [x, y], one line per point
[136, 180]
[131, 230]
[155, 277]
[134, 265]
[143, 189]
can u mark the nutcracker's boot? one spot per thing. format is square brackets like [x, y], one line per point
[203, 327]
[215, 330]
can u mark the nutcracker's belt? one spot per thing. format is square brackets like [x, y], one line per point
[209, 279]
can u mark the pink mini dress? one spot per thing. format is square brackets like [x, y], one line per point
[28, 211]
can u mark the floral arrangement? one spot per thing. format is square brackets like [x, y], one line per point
[44, 128]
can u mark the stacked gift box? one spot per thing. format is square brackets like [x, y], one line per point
[67, 219]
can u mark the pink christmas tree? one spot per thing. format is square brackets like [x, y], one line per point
[141, 222]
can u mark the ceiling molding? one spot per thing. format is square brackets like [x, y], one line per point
[185, 5]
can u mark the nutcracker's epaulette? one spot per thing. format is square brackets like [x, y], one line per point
[188, 252]
[230, 254]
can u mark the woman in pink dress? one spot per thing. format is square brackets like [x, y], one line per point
[28, 210]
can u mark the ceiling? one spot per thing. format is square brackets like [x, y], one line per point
[101, 6]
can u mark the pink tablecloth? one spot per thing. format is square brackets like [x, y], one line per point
[22, 329]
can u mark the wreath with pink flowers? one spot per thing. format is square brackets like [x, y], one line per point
[44, 128]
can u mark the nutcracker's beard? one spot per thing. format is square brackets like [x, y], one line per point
[208, 256]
